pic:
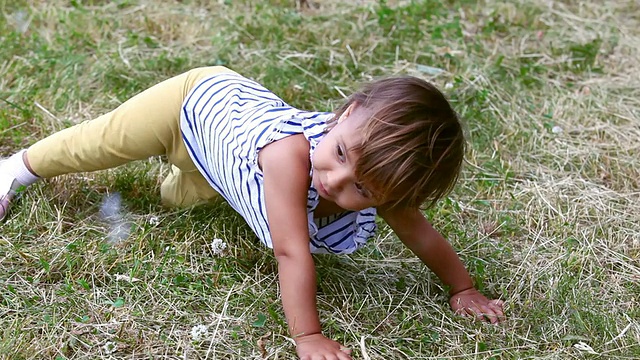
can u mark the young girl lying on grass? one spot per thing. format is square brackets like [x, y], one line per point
[306, 182]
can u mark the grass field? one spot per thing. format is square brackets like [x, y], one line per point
[546, 214]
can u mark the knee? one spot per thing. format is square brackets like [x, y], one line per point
[180, 189]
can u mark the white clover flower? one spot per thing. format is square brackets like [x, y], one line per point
[198, 332]
[218, 246]
[109, 347]
[556, 130]
[448, 86]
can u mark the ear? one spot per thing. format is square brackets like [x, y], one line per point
[347, 112]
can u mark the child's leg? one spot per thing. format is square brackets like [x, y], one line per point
[144, 126]
[185, 188]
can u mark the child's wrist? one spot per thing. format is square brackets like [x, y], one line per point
[457, 290]
[303, 336]
[307, 337]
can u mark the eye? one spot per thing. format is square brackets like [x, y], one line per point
[340, 152]
[363, 191]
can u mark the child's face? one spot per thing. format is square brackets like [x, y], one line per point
[334, 163]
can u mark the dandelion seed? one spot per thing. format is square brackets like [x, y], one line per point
[110, 207]
[556, 130]
[119, 232]
[198, 332]
[111, 213]
[21, 21]
[448, 86]
[109, 347]
[218, 246]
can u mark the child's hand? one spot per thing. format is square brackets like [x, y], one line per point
[318, 347]
[471, 302]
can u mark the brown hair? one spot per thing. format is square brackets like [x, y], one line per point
[412, 146]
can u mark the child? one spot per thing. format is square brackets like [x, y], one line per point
[306, 182]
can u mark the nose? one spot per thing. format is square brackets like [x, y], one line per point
[341, 177]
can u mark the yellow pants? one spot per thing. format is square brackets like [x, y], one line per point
[146, 125]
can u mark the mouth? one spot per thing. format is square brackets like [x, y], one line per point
[322, 190]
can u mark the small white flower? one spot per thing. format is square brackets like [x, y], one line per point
[556, 130]
[109, 347]
[125, 278]
[448, 86]
[582, 346]
[218, 246]
[154, 220]
[198, 332]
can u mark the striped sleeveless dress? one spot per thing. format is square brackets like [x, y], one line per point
[225, 120]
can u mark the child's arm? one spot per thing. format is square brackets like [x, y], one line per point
[285, 166]
[417, 234]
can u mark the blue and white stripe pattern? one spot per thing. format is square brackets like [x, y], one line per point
[226, 119]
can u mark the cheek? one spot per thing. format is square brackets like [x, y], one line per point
[319, 156]
[315, 159]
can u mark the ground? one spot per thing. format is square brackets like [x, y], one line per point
[545, 215]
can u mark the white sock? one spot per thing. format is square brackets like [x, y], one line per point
[15, 167]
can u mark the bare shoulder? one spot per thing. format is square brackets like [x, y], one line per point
[292, 151]
[285, 166]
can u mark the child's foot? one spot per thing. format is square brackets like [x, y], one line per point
[14, 174]
[8, 187]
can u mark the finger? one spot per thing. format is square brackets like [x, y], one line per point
[477, 312]
[480, 313]
[473, 311]
[462, 312]
[498, 310]
[459, 309]
[345, 350]
[344, 356]
[497, 302]
[489, 314]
